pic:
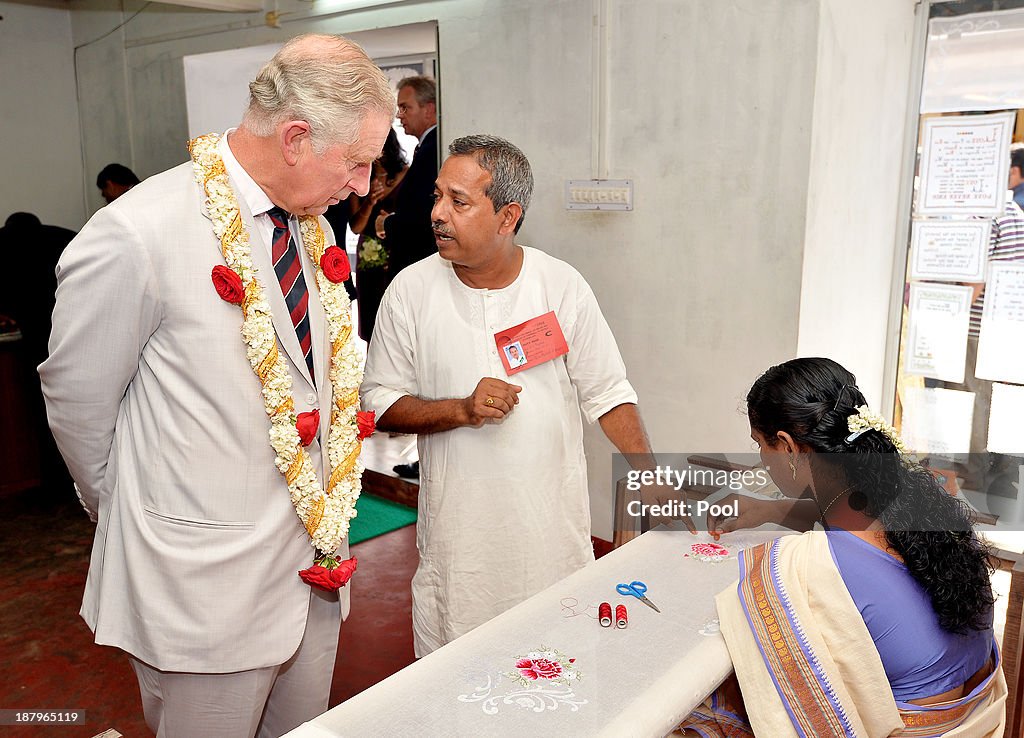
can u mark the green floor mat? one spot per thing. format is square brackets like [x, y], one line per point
[376, 516]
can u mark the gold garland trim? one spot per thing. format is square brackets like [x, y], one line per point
[316, 514]
[346, 401]
[344, 467]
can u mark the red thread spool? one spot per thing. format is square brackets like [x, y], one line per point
[621, 619]
[604, 614]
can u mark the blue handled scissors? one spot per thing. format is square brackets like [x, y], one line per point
[636, 589]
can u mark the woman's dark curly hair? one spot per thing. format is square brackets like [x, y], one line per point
[811, 399]
[392, 158]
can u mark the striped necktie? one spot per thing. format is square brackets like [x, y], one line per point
[289, 274]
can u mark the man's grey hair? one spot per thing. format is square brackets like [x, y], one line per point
[511, 178]
[327, 81]
[424, 88]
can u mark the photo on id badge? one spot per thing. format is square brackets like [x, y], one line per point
[515, 354]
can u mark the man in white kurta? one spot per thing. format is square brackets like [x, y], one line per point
[503, 503]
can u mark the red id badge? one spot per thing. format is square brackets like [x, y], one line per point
[531, 343]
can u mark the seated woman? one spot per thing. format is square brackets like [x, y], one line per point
[879, 625]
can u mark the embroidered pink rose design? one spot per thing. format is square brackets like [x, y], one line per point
[544, 665]
[534, 669]
[709, 550]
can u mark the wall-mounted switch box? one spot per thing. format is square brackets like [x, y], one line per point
[599, 194]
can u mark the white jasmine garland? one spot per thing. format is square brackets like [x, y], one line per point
[325, 511]
[865, 419]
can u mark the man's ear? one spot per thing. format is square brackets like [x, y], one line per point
[510, 217]
[295, 139]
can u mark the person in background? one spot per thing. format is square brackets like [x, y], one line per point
[373, 271]
[1017, 174]
[30, 251]
[882, 620]
[407, 228]
[982, 470]
[114, 180]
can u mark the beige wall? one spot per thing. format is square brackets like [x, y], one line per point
[40, 149]
[860, 108]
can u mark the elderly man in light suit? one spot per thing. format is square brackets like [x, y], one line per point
[161, 420]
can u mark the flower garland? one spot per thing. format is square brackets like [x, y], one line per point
[325, 512]
[864, 420]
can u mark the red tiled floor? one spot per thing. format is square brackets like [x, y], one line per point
[51, 662]
[376, 640]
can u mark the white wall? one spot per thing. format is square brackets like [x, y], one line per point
[40, 147]
[860, 111]
[710, 115]
[736, 119]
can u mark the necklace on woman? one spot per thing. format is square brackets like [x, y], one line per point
[829, 505]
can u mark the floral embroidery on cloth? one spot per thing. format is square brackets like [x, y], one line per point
[544, 664]
[708, 552]
[543, 680]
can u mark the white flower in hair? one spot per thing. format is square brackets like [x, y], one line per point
[864, 420]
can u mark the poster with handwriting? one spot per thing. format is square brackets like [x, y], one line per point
[937, 336]
[1001, 344]
[949, 250]
[965, 162]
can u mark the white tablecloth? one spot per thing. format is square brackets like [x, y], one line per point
[638, 681]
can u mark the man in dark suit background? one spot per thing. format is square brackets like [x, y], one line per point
[407, 230]
[27, 286]
[30, 251]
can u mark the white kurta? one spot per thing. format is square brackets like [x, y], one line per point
[503, 509]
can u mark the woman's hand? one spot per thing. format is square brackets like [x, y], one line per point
[378, 191]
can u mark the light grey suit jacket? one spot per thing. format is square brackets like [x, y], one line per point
[161, 421]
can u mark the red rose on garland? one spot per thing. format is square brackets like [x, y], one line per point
[329, 574]
[228, 284]
[307, 424]
[366, 422]
[334, 264]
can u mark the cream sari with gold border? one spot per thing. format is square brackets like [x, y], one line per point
[806, 663]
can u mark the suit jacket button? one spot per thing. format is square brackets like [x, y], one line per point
[310, 399]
